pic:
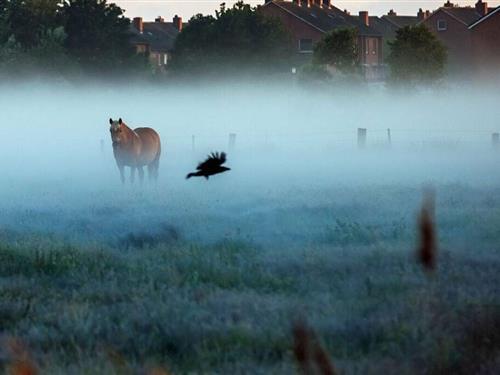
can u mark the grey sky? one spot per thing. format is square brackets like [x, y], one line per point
[149, 9]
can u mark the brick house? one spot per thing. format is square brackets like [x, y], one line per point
[450, 24]
[388, 24]
[307, 21]
[155, 39]
[485, 41]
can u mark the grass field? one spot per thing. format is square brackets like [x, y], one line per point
[211, 276]
[158, 299]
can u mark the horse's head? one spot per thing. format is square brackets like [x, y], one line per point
[117, 132]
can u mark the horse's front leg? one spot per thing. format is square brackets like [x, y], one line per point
[121, 168]
[132, 175]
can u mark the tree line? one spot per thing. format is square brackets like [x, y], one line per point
[65, 36]
[240, 39]
[93, 36]
[416, 56]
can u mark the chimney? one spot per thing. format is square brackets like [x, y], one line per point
[421, 15]
[392, 13]
[137, 22]
[325, 4]
[482, 8]
[427, 13]
[159, 19]
[347, 12]
[448, 4]
[177, 21]
[363, 17]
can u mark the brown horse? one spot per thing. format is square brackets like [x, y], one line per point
[135, 149]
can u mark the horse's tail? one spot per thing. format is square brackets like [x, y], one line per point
[154, 166]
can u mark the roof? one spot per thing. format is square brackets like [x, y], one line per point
[324, 19]
[466, 15]
[488, 15]
[383, 26]
[401, 21]
[388, 25]
[160, 36]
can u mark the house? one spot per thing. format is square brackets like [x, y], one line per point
[485, 41]
[387, 26]
[155, 39]
[307, 21]
[453, 26]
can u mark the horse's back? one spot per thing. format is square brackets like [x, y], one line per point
[150, 144]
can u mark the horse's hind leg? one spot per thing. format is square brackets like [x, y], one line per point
[153, 169]
[141, 174]
[132, 175]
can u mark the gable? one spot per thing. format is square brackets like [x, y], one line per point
[492, 16]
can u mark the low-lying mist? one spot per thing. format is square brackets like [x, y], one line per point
[296, 166]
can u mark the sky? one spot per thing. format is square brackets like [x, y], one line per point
[149, 9]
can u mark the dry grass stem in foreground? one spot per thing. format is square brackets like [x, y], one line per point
[19, 359]
[311, 357]
[427, 250]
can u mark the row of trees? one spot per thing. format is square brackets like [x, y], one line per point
[416, 56]
[72, 36]
[238, 39]
[241, 39]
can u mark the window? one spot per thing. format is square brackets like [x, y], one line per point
[442, 25]
[305, 45]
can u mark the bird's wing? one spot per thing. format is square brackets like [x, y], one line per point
[213, 160]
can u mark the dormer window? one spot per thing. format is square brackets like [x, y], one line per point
[442, 25]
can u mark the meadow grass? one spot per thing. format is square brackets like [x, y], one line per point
[229, 306]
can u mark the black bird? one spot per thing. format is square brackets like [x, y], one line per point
[211, 166]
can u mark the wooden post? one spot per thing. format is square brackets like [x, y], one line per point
[232, 141]
[389, 140]
[192, 143]
[495, 140]
[361, 137]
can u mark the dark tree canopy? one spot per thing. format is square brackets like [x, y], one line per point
[97, 34]
[339, 48]
[416, 56]
[27, 20]
[65, 36]
[237, 38]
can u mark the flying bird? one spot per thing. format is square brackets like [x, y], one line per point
[211, 166]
